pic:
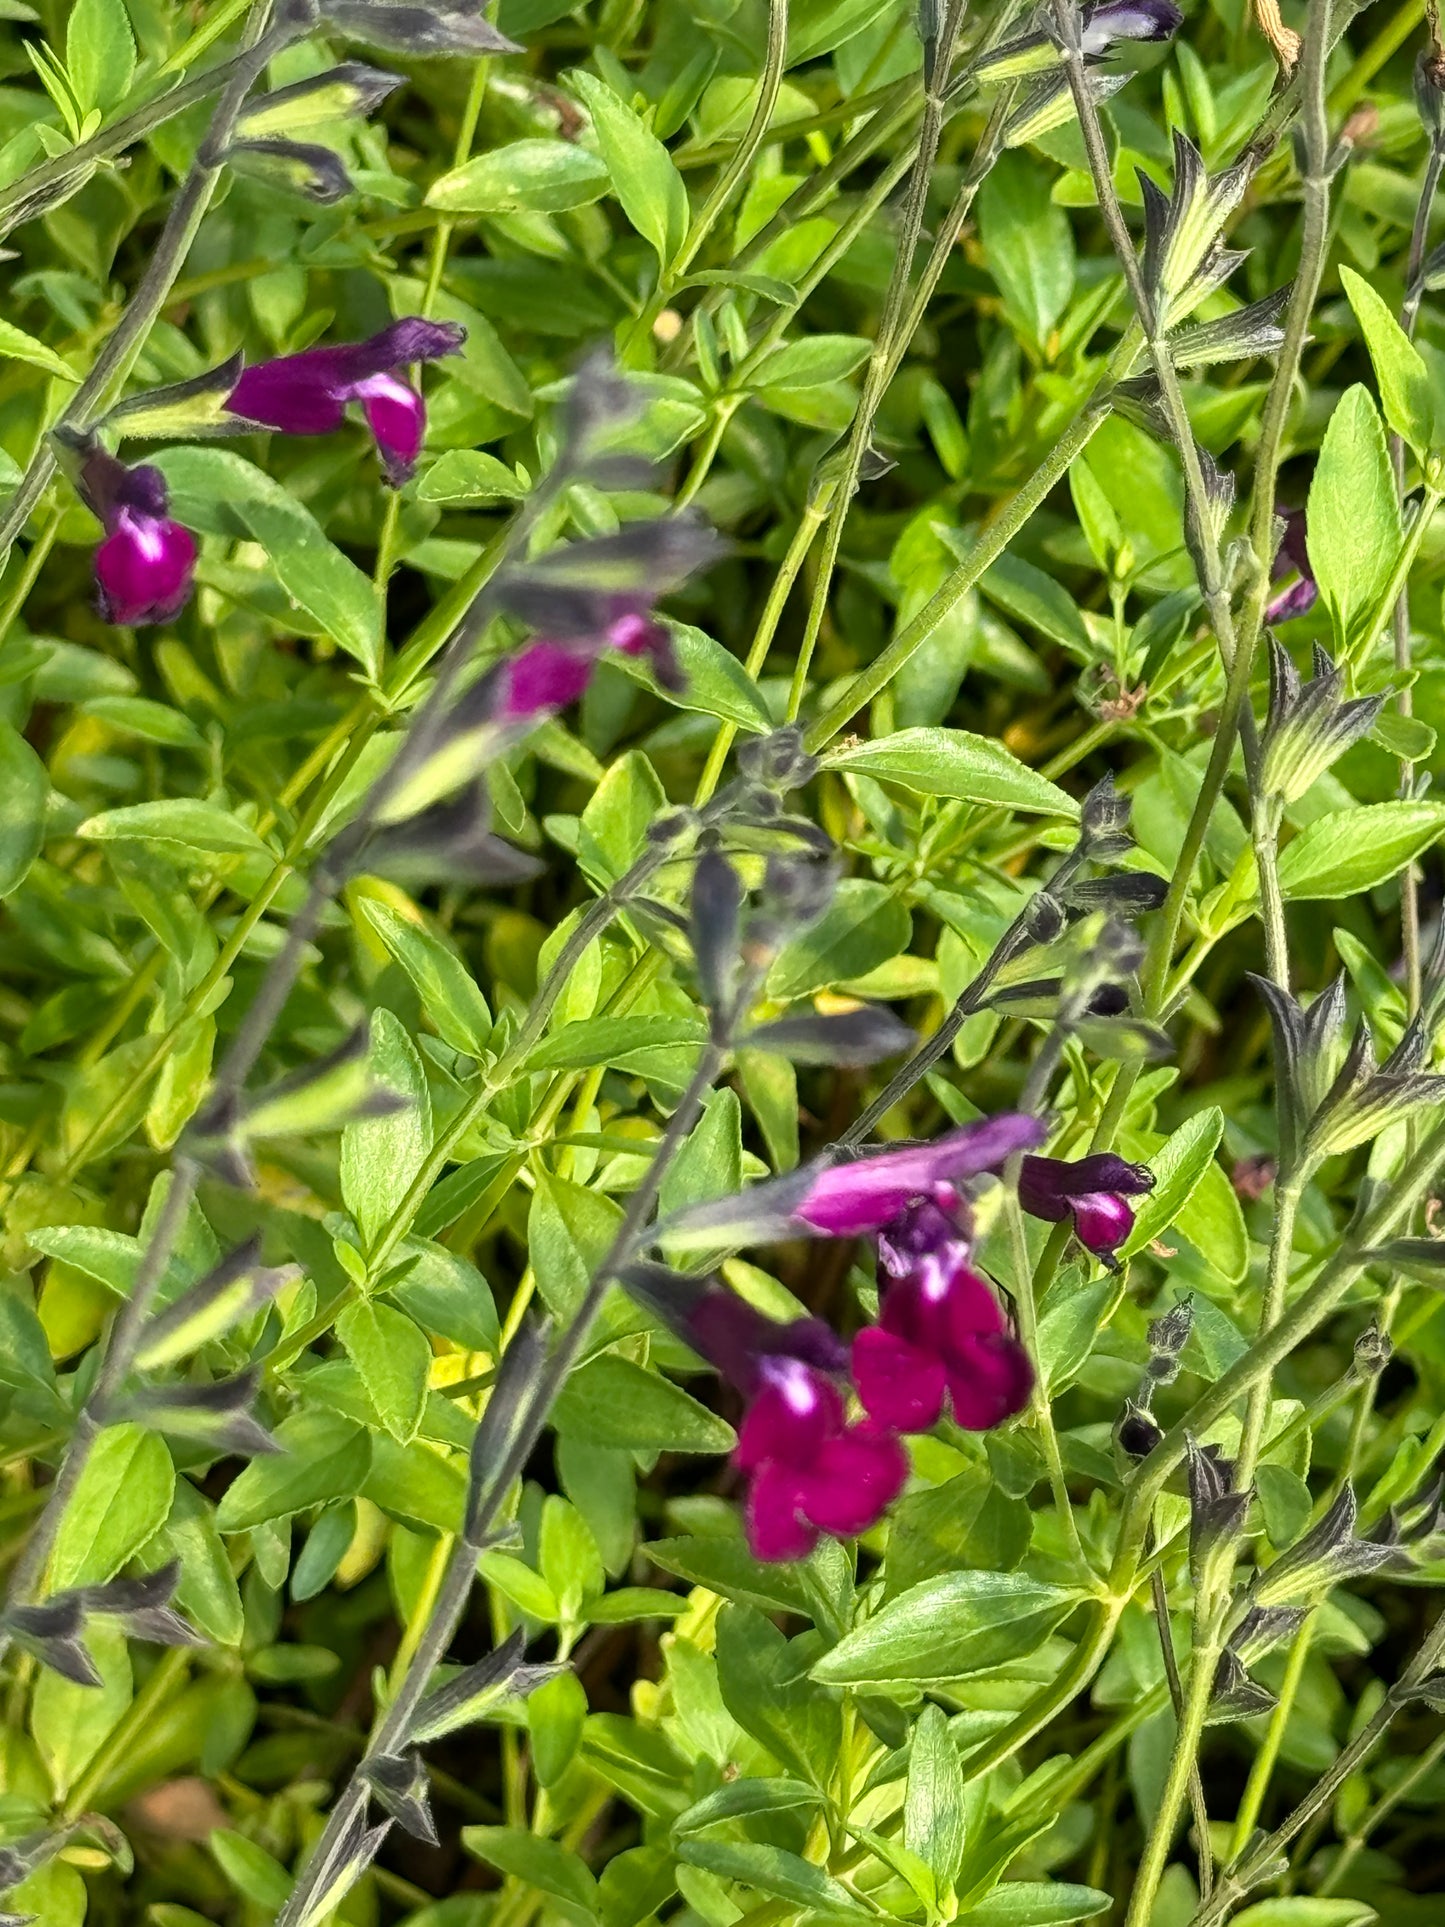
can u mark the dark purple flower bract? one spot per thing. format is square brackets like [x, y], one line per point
[1094, 1191]
[307, 393]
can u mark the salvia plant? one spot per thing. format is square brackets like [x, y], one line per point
[721, 1066]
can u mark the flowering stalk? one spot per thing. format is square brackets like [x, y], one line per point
[114, 362]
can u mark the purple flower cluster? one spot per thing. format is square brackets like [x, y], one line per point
[145, 566]
[942, 1342]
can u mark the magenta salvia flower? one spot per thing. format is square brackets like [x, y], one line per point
[941, 1338]
[809, 1469]
[145, 565]
[307, 394]
[553, 671]
[1293, 559]
[1094, 1191]
[851, 1200]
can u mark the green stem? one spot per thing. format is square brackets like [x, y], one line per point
[1286, 1209]
[988, 547]
[1263, 1766]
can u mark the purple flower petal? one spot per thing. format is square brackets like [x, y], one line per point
[1102, 1221]
[396, 416]
[1297, 600]
[542, 679]
[988, 1381]
[143, 569]
[297, 394]
[775, 1525]
[901, 1386]
[307, 393]
[850, 1200]
[1128, 20]
[794, 1412]
[854, 1481]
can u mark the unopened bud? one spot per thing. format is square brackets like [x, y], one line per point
[1373, 1351]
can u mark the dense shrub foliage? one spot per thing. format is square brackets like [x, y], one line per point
[721, 963]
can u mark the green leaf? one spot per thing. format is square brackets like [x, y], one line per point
[323, 1458]
[1351, 851]
[394, 1359]
[1179, 1166]
[1071, 1322]
[963, 1622]
[327, 584]
[714, 681]
[1028, 242]
[179, 826]
[380, 1156]
[773, 1870]
[625, 1042]
[1354, 516]
[16, 345]
[1037, 1903]
[612, 1401]
[255, 1874]
[70, 1723]
[24, 787]
[1302, 1910]
[954, 762]
[452, 1000]
[933, 1817]
[217, 492]
[544, 1866]
[99, 52]
[865, 925]
[618, 815]
[469, 475]
[120, 1501]
[812, 362]
[741, 1798]
[1037, 599]
[1405, 389]
[765, 1686]
[546, 175]
[726, 1566]
[646, 182]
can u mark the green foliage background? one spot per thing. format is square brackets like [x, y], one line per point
[727, 1748]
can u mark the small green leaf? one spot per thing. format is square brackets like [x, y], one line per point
[120, 1501]
[646, 182]
[452, 1000]
[865, 925]
[180, 825]
[1354, 515]
[99, 52]
[545, 175]
[394, 1359]
[380, 1156]
[1178, 1166]
[1410, 405]
[953, 762]
[1351, 851]
[612, 1401]
[323, 1458]
[963, 1622]
[24, 787]
[16, 345]
[544, 1866]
